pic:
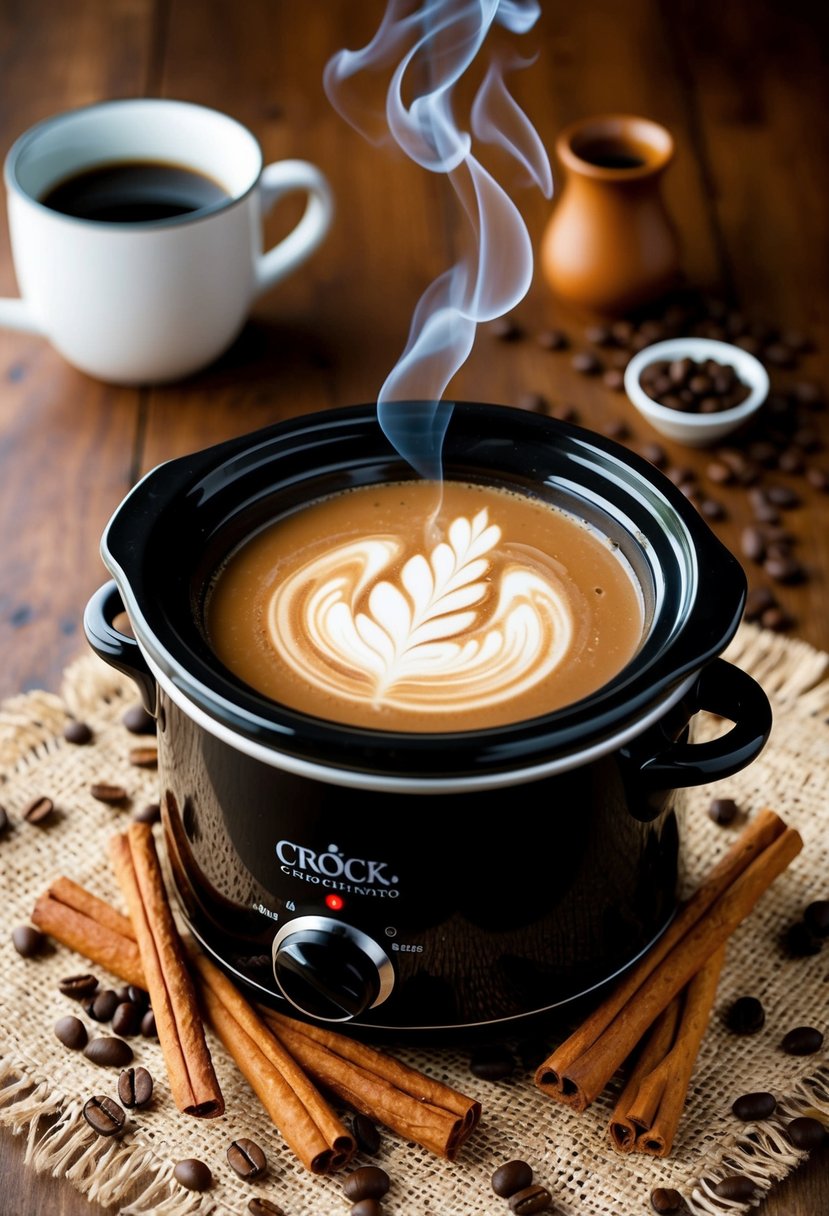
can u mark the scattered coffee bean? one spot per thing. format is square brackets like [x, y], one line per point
[656, 454]
[135, 1088]
[366, 1207]
[78, 986]
[71, 1032]
[148, 1026]
[723, 811]
[783, 497]
[532, 1199]
[816, 917]
[77, 732]
[264, 1207]
[667, 1201]
[753, 544]
[103, 1005]
[108, 792]
[510, 1177]
[104, 1115]
[802, 1041]
[745, 1016]
[616, 429]
[818, 478]
[622, 332]
[366, 1134]
[712, 509]
[246, 1159]
[758, 601]
[800, 942]
[151, 813]
[368, 1182]
[585, 362]
[492, 1062]
[614, 379]
[193, 1174]
[27, 940]
[144, 757]
[138, 721]
[806, 1133]
[553, 339]
[784, 569]
[754, 1106]
[776, 619]
[108, 1051]
[126, 1020]
[599, 335]
[536, 403]
[737, 1186]
[779, 355]
[39, 811]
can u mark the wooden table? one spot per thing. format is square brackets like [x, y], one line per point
[739, 89]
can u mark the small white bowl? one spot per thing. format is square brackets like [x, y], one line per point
[697, 430]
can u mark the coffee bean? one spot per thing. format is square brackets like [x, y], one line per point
[510, 1177]
[103, 1005]
[758, 600]
[104, 1115]
[108, 792]
[816, 917]
[800, 942]
[745, 1016]
[148, 1026]
[585, 362]
[368, 1182]
[138, 996]
[126, 1020]
[783, 497]
[802, 1041]
[39, 811]
[246, 1159]
[492, 1063]
[614, 379]
[737, 1186]
[784, 569]
[536, 403]
[790, 461]
[754, 1106]
[779, 355]
[806, 392]
[135, 1087]
[108, 1051]
[723, 811]
[5, 822]
[712, 509]
[193, 1174]
[531, 1199]
[77, 732]
[655, 453]
[78, 986]
[366, 1207]
[264, 1207]
[151, 813]
[553, 339]
[71, 1032]
[776, 619]
[818, 478]
[622, 332]
[806, 1133]
[667, 1201]
[599, 335]
[138, 721]
[144, 757]
[27, 940]
[753, 544]
[366, 1134]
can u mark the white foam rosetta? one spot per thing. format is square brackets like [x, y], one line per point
[448, 631]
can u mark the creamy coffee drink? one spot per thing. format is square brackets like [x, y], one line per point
[380, 608]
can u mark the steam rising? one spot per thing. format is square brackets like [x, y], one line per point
[427, 50]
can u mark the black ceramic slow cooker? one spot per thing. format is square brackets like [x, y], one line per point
[414, 882]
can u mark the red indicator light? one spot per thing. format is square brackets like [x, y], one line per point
[334, 902]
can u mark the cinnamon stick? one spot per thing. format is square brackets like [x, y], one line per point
[649, 1109]
[577, 1071]
[296, 1107]
[81, 921]
[410, 1103]
[193, 1083]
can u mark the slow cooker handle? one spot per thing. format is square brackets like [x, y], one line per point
[120, 651]
[729, 692]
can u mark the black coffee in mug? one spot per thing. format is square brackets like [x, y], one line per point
[130, 192]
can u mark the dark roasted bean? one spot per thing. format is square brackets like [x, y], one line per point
[138, 721]
[779, 355]
[144, 757]
[816, 917]
[77, 732]
[246, 1159]
[126, 1020]
[753, 544]
[712, 508]
[800, 942]
[104, 1115]
[776, 619]
[135, 1087]
[71, 1032]
[758, 1105]
[78, 986]
[536, 403]
[802, 1041]
[745, 1016]
[599, 335]
[758, 600]
[783, 497]
[510, 1177]
[723, 811]
[532, 1199]
[366, 1134]
[552, 339]
[27, 940]
[784, 569]
[655, 453]
[148, 1026]
[138, 996]
[614, 379]
[667, 1201]
[108, 792]
[585, 362]
[39, 811]
[616, 429]
[737, 1186]
[193, 1174]
[368, 1182]
[103, 1005]
[366, 1207]
[264, 1207]
[806, 1133]
[108, 1051]
[151, 813]
[492, 1062]
[818, 478]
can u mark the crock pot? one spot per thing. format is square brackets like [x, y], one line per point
[418, 882]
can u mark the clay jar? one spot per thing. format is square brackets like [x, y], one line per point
[610, 245]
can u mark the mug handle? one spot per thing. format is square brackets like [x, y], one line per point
[281, 178]
[16, 314]
[731, 693]
[116, 648]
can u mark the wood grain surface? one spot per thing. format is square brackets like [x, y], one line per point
[740, 86]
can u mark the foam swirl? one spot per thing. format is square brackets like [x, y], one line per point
[460, 629]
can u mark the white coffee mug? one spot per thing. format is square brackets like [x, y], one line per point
[155, 300]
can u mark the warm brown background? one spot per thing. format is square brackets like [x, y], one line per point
[740, 86]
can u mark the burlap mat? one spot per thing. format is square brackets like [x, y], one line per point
[43, 1086]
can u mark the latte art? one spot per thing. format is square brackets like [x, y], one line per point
[444, 633]
[414, 606]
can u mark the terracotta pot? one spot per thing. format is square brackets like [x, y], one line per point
[610, 244]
